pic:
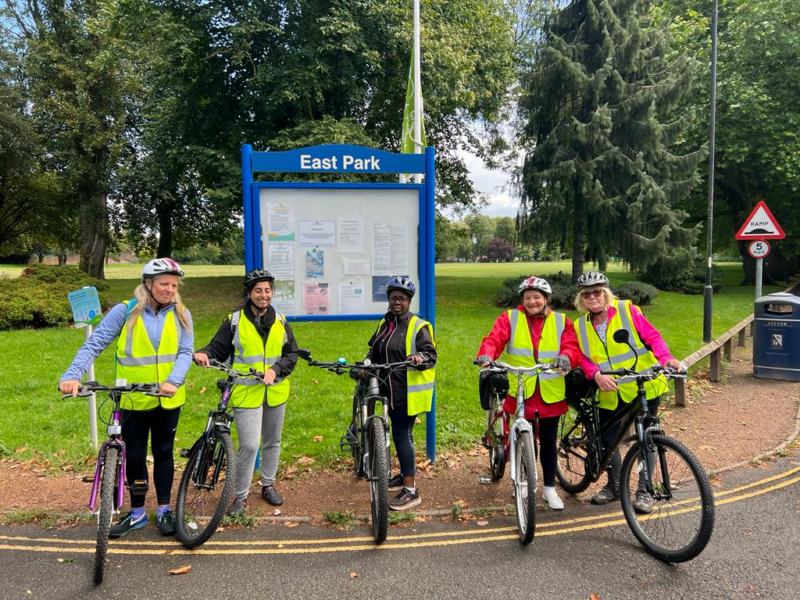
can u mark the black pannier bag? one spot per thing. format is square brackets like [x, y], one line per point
[578, 387]
[491, 383]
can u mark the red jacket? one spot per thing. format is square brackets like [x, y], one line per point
[494, 344]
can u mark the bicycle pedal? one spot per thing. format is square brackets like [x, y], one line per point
[347, 442]
[485, 479]
[184, 452]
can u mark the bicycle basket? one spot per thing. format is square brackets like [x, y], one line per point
[491, 383]
[578, 388]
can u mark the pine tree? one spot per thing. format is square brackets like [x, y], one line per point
[598, 170]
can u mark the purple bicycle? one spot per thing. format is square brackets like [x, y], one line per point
[109, 474]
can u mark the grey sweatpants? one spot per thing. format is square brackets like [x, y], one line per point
[265, 422]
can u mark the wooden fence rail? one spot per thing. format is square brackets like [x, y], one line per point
[718, 350]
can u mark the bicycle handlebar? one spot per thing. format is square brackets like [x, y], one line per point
[501, 367]
[89, 387]
[650, 373]
[224, 367]
[340, 368]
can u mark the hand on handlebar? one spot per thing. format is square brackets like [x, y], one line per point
[675, 365]
[606, 383]
[167, 389]
[269, 377]
[484, 360]
[417, 359]
[201, 359]
[69, 387]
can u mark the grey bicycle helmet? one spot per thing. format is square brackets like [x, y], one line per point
[404, 284]
[592, 278]
[255, 276]
[161, 266]
[536, 283]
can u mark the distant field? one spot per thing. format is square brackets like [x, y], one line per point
[35, 417]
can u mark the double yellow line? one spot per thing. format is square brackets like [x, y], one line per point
[351, 544]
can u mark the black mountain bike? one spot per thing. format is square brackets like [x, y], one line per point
[682, 520]
[207, 483]
[367, 436]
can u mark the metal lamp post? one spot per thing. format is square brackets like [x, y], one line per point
[709, 290]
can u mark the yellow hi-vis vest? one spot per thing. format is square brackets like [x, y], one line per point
[251, 352]
[419, 384]
[614, 356]
[138, 362]
[519, 353]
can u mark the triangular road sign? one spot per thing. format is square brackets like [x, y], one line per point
[761, 225]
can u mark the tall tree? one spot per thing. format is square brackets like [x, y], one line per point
[599, 170]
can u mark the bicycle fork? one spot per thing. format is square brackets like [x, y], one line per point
[647, 461]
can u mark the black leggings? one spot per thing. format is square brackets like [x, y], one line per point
[403, 437]
[548, 454]
[607, 438]
[137, 425]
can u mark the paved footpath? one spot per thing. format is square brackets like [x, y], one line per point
[582, 551]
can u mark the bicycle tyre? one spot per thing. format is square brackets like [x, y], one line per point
[525, 488]
[215, 459]
[379, 481]
[107, 491]
[572, 461]
[690, 507]
[355, 424]
[494, 443]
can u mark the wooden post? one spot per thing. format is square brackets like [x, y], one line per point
[727, 349]
[680, 392]
[714, 375]
[742, 336]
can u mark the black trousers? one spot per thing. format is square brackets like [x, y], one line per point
[158, 424]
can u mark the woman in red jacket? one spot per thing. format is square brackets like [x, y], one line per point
[533, 325]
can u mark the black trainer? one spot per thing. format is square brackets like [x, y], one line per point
[396, 483]
[166, 523]
[271, 495]
[405, 499]
[126, 525]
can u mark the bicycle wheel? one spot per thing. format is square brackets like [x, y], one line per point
[107, 491]
[378, 481]
[205, 490]
[525, 488]
[355, 431]
[573, 459]
[494, 443]
[682, 519]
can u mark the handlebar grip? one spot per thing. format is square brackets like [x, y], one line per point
[477, 362]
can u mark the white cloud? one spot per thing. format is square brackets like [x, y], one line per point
[493, 183]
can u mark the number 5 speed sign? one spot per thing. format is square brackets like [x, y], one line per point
[758, 248]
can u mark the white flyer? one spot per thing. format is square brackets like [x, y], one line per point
[280, 222]
[280, 261]
[356, 266]
[350, 229]
[283, 298]
[316, 233]
[352, 299]
[398, 240]
[389, 248]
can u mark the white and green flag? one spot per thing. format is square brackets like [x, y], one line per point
[413, 141]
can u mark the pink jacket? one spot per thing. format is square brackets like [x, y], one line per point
[647, 333]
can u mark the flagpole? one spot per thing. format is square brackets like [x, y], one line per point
[418, 149]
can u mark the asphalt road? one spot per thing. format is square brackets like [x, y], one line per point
[752, 554]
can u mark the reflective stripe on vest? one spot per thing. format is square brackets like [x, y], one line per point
[138, 362]
[251, 352]
[612, 355]
[519, 353]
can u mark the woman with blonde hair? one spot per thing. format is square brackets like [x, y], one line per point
[604, 315]
[154, 345]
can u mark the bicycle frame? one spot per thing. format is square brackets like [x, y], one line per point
[114, 431]
[368, 399]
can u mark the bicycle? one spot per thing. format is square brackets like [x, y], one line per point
[683, 501]
[209, 477]
[367, 436]
[518, 445]
[109, 474]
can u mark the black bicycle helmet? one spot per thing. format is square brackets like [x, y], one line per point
[592, 278]
[255, 276]
[404, 284]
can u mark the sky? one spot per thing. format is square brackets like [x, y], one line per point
[494, 184]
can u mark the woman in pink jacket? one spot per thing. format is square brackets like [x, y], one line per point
[604, 315]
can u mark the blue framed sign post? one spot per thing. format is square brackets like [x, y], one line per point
[341, 158]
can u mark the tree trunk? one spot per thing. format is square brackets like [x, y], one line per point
[94, 231]
[578, 236]
[164, 212]
[62, 260]
[602, 260]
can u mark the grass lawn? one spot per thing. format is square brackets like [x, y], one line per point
[36, 423]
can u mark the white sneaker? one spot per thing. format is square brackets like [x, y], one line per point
[551, 497]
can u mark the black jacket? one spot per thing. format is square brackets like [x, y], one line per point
[387, 345]
[221, 345]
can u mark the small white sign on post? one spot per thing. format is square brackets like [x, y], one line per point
[86, 312]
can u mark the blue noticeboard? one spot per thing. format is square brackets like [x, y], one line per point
[85, 305]
[312, 278]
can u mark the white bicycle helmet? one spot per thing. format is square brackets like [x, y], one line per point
[592, 278]
[161, 266]
[535, 283]
[404, 284]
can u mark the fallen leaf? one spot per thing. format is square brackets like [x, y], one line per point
[66, 560]
[66, 468]
[417, 420]
[291, 524]
[353, 575]
[461, 503]
[317, 438]
[316, 381]
[180, 570]
[203, 390]
[305, 460]
[219, 530]
[277, 512]
[482, 523]
[20, 450]
[594, 596]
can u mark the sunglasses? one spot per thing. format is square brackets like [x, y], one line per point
[592, 293]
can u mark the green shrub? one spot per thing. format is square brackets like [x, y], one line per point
[563, 296]
[38, 298]
[637, 292]
[691, 280]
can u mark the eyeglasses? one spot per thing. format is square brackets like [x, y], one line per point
[399, 298]
[591, 293]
